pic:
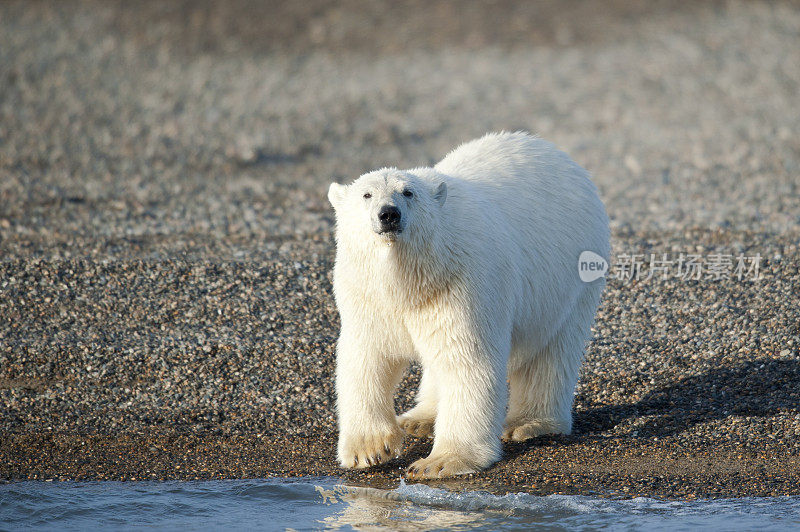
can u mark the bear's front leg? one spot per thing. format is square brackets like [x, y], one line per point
[471, 402]
[365, 382]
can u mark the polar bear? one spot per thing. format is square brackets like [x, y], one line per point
[471, 269]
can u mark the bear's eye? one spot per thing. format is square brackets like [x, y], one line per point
[367, 195]
[407, 193]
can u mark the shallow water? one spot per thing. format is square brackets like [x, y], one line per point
[324, 504]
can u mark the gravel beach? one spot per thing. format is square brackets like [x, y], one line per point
[166, 243]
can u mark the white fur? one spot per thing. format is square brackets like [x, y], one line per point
[480, 286]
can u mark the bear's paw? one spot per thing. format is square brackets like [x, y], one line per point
[444, 465]
[360, 451]
[417, 426]
[525, 429]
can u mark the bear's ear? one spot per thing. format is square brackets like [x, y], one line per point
[336, 194]
[441, 193]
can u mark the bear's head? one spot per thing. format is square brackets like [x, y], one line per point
[387, 205]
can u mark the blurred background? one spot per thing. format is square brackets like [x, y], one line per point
[158, 121]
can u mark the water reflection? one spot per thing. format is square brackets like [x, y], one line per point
[370, 509]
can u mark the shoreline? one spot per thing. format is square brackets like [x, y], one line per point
[558, 465]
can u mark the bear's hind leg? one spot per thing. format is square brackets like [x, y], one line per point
[542, 385]
[419, 420]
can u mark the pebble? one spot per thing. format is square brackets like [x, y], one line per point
[166, 243]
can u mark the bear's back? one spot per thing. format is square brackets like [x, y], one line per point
[516, 161]
[535, 185]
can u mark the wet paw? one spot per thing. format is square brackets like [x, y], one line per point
[419, 427]
[372, 449]
[440, 466]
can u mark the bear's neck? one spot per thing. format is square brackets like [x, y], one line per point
[412, 272]
[420, 272]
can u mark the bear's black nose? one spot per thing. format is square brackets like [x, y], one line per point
[389, 216]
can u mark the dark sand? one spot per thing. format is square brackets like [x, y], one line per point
[165, 299]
